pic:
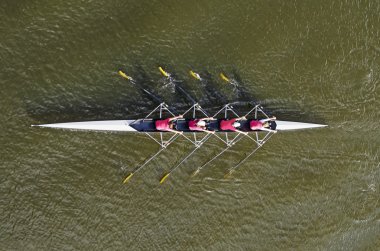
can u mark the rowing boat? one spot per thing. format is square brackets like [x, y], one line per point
[146, 126]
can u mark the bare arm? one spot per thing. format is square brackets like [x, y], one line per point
[175, 131]
[268, 130]
[176, 117]
[204, 130]
[267, 119]
[245, 133]
[208, 118]
[241, 118]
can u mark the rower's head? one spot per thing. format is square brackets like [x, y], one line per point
[272, 125]
[266, 124]
[236, 124]
[201, 123]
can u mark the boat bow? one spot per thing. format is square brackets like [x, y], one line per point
[291, 125]
[105, 125]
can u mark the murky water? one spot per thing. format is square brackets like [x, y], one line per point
[307, 61]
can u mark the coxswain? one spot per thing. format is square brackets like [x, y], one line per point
[231, 125]
[262, 124]
[199, 125]
[167, 125]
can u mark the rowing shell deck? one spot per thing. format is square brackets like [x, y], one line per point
[147, 125]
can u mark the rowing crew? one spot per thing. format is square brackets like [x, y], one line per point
[200, 125]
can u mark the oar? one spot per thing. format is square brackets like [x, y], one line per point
[129, 176]
[122, 74]
[183, 160]
[264, 140]
[230, 81]
[167, 174]
[125, 75]
[164, 178]
[205, 164]
[216, 156]
[171, 140]
[168, 75]
[164, 72]
[228, 174]
[195, 75]
[225, 78]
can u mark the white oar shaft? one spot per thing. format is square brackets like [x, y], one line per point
[211, 160]
[243, 160]
[249, 155]
[188, 156]
[149, 160]
[225, 149]
[192, 152]
[132, 81]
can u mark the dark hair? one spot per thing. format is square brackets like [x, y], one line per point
[272, 125]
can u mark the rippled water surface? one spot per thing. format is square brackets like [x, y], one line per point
[311, 61]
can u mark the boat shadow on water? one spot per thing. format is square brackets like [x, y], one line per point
[119, 100]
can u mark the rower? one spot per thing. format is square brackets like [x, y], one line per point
[232, 125]
[199, 125]
[167, 125]
[263, 125]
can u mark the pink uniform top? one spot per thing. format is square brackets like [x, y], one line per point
[193, 125]
[255, 125]
[227, 125]
[163, 125]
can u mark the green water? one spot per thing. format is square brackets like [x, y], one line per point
[311, 61]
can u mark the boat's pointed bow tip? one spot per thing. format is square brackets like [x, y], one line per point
[39, 125]
[42, 125]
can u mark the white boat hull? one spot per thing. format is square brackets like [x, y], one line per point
[124, 125]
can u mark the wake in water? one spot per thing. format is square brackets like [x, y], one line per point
[169, 85]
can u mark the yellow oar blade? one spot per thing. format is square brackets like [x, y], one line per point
[195, 173]
[128, 178]
[164, 178]
[224, 77]
[163, 72]
[227, 175]
[124, 75]
[195, 75]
